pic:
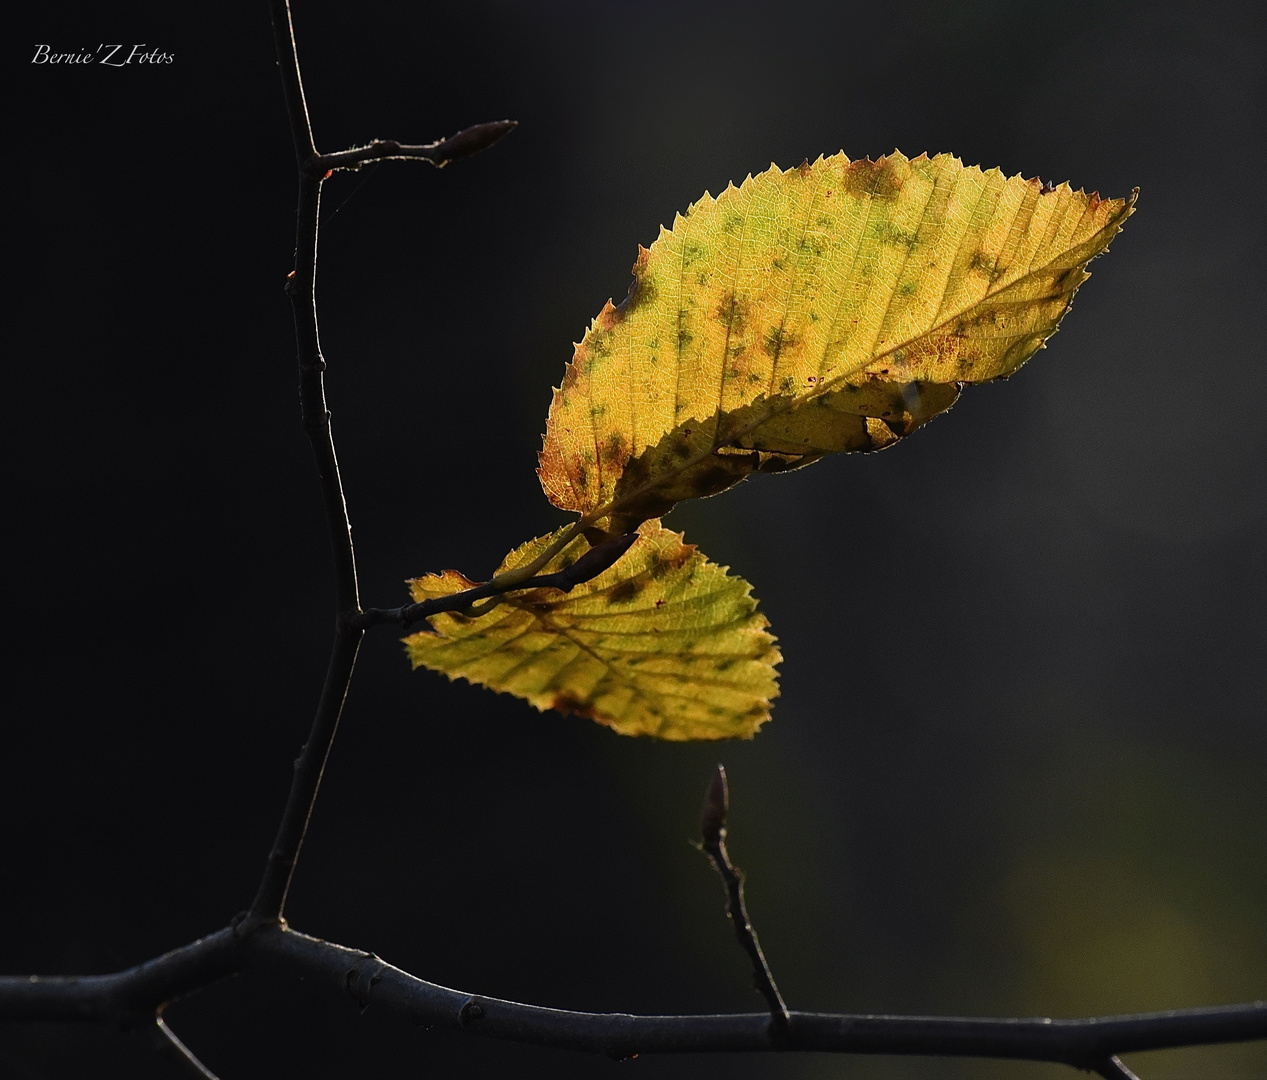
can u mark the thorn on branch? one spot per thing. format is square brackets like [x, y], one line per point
[713, 830]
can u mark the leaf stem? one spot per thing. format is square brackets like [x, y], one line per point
[586, 568]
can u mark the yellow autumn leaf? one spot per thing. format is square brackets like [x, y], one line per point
[663, 643]
[833, 307]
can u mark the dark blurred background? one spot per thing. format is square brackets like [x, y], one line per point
[1018, 762]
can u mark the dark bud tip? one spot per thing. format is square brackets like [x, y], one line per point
[598, 559]
[716, 801]
[474, 139]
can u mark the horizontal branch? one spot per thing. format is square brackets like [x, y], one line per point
[465, 143]
[587, 567]
[126, 996]
[372, 983]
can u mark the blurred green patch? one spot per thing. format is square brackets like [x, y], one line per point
[1136, 880]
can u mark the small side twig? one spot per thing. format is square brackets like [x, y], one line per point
[169, 1046]
[1111, 1068]
[713, 827]
[465, 143]
[586, 568]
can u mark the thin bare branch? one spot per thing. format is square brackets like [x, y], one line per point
[713, 827]
[169, 1045]
[292, 82]
[466, 143]
[371, 983]
[586, 568]
[131, 996]
[270, 898]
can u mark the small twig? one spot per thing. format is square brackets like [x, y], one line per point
[167, 1044]
[713, 827]
[586, 568]
[292, 81]
[1111, 1068]
[465, 143]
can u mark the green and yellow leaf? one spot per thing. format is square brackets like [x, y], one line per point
[663, 643]
[834, 307]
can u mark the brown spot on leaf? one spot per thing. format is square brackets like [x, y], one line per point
[626, 591]
[615, 449]
[986, 264]
[778, 341]
[569, 704]
[879, 179]
[598, 341]
[732, 312]
[890, 234]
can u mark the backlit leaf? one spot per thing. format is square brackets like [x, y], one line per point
[663, 643]
[833, 307]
